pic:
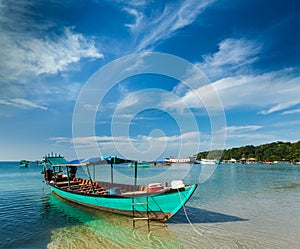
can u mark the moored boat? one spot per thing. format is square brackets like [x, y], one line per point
[209, 161]
[154, 202]
[170, 160]
[24, 163]
[140, 164]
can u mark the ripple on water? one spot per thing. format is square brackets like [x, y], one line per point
[97, 234]
[238, 207]
[96, 229]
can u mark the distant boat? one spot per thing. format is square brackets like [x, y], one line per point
[153, 202]
[115, 160]
[170, 160]
[160, 164]
[209, 161]
[24, 163]
[140, 164]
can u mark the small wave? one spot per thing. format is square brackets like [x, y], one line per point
[288, 186]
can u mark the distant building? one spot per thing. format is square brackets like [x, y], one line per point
[232, 160]
[282, 162]
[251, 160]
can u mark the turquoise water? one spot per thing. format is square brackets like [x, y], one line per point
[235, 206]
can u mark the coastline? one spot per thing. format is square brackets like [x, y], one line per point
[251, 206]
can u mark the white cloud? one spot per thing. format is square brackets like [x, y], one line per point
[279, 107]
[240, 129]
[249, 134]
[22, 103]
[129, 102]
[160, 25]
[236, 86]
[291, 111]
[233, 55]
[34, 56]
[32, 45]
[243, 139]
[138, 19]
[273, 92]
[140, 143]
[139, 64]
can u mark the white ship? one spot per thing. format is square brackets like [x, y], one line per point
[209, 161]
[189, 159]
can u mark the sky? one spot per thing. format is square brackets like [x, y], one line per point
[243, 86]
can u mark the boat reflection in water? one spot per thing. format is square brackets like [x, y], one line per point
[90, 228]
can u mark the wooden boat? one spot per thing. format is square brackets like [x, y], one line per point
[153, 202]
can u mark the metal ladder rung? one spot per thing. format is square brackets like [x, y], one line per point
[134, 219]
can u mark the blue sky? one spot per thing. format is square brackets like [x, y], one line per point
[248, 50]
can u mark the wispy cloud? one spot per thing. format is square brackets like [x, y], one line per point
[30, 47]
[124, 145]
[280, 106]
[268, 93]
[244, 128]
[237, 86]
[33, 56]
[161, 24]
[33, 49]
[233, 56]
[248, 134]
[243, 139]
[291, 112]
[138, 19]
[22, 103]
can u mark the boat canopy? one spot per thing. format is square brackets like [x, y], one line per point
[55, 160]
[76, 161]
[85, 162]
[92, 160]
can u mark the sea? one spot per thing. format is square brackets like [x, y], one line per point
[234, 206]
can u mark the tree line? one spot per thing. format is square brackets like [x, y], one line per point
[266, 152]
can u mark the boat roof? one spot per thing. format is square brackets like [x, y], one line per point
[60, 161]
[55, 160]
[90, 161]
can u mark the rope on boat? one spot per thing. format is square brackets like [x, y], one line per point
[186, 215]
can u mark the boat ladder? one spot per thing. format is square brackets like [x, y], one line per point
[141, 216]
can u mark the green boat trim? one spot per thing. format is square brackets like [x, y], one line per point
[140, 164]
[162, 205]
[24, 163]
[153, 202]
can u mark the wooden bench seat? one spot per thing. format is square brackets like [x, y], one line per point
[65, 183]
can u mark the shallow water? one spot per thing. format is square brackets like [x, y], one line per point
[235, 206]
